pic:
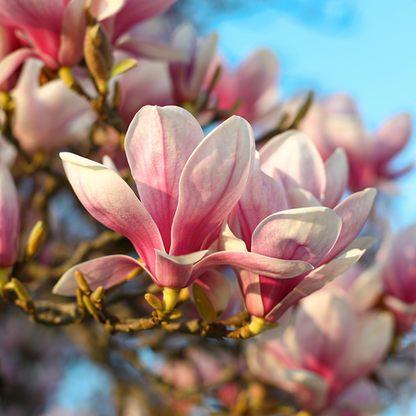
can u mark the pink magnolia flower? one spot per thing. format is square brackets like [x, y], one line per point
[187, 77]
[398, 271]
[252, 86]
[324, 356]
[188, 184]
[314, 234]
[9, 219]
[147, 84]
[50, 30]
[336, 122]
[50, 116]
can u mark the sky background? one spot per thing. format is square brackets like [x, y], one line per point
[362, 48]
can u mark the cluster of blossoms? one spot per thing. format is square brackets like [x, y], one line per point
[254, 223]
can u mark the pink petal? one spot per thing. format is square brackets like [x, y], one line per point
[151, 49]
[11, 62]
[112, 202]
[175, 271]
[103, 9]
[336, 169]
[135, 11]
[252, 262]
[9, 218]
[211, 184]
[104, 271]
[324, 326]
[306, 234]
[167, 136]
[262, 197]
[297, 160]
[301, 198]
[354, 212]
[317, 278]
[404, 313]
[39, 20]
[72, 33]
[392, 137]
[372, 340]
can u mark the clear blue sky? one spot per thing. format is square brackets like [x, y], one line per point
[373, 59]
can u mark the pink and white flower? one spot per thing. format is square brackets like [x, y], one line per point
[323, 358]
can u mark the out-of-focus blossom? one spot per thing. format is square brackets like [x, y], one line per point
[188, 184]
[187, 77]
[8, 44]
[362, 287]
[50, 116]
[147, 84]
[251, 89]
[319, 236]
[336, 122]
[50, 30]
[8, 152]
[398, 272]
[9, 219]
[324, 356]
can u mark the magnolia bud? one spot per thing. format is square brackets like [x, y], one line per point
[20, 290]
[82, 283]
[92, 309]
[98, 55]
[204, 305]
[35, 239]
[98, 294]
[153, 301]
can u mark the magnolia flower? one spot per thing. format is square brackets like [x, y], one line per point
[50, 116]
[251, 88]
[50, 30]
[188, 184]
[324, 356]
[336, 123]
[314, 234]
[187, 77]
[9, 219]
[398, 271]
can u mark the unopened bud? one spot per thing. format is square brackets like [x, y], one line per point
[117, 95]
[80, 302]
[183, 295]
[35, 239]
[98, 55]
[4, 276]
[5, 100]
[92, 309]
[204, 305]
[20, 290]
[170, 296]
[175, 314]
[153, 301]
[82, 283]
[98, 294]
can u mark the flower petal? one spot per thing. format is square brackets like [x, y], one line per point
[104, 271]
[336, 169]
[354, 212]
[175, 271]
[211, 184]
[262, 197]
[306, 234]
[167, 137]
[12, 61]
[112, 202]
[317, 278]
[297, 160]
[301, 198]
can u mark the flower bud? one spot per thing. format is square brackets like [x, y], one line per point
[20, 290]
[92, 309]
[98, 294]
[82, 283]
[35, 239]
[204, 305]
[98, 55]
[153, 301]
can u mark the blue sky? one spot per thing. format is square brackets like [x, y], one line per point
[373, 59]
